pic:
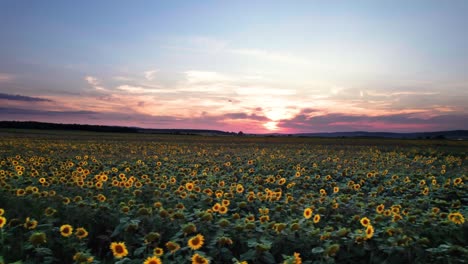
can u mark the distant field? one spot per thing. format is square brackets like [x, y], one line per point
[85, 197]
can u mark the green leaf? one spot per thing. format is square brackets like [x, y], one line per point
[122, 261]
[139, 251]
[268, 258]
[317, 250]
[252, 242]
[43, 251]
[249, 255]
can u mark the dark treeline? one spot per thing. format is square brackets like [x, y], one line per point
[52, 126]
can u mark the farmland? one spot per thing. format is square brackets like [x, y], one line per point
[83, 197]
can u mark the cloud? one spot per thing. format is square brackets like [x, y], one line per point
[150, 75]
[245, 116]
[32, 112]
[5, 77]
[94, 82]
[256, 91]
[304, 122]
[205, 77]
[139, 89]
[22, 98]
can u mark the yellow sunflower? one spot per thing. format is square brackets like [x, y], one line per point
[199, 259]
[158, 252]
[456, 218]
[172, 246]
[119, 250]
[316, 218]
[81, 232]
[2, 221]
[66, 230]
[369, 231]
[380, 208]
[153, 260]
[223, 209]
[365, 221]
[307, 213]
[30, 224]
[196, 242]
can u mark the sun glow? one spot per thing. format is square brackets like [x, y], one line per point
[272, 125]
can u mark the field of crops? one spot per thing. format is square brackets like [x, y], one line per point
[114, 198]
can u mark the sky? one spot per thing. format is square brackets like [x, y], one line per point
[251, 66]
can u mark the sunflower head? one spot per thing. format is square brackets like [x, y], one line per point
[2, 221]
[66, 230]
[307, 213]
[81, 232]
[316, 218]
[369, 231]
[196, 242]
[365, 221]
[119, 249]
[153, 260]
[199, 259]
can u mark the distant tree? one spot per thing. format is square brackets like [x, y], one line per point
[240, 133]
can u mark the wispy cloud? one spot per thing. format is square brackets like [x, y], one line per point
[150, 74]
[16, 97]
[5, 77]
[95, 83]
[35, 112]
[140, 89]
[382, 123]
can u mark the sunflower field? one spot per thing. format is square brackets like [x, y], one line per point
[115, 198]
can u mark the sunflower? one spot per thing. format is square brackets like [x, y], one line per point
[369, 231]
[457, 181]
[336, 189]
[37, 238]
[158, 252]
[2, 221]
[264, 219]
[81, 232]
[456, 218]
[323, 192]
[297, 258]
[2, 211]
[396, 217]
[66, 230]
[30, 224]
[365, 221]
[119, 250]
[216, 207]
[223, 210]
[196, 242]
[172, 246]
[189, 186]
[226, 202]
[316, 218]
[282, 181]
[380, 208]
[20, 192]
[153, 260]
[425, 191]
[307, 213]
[199, 259]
